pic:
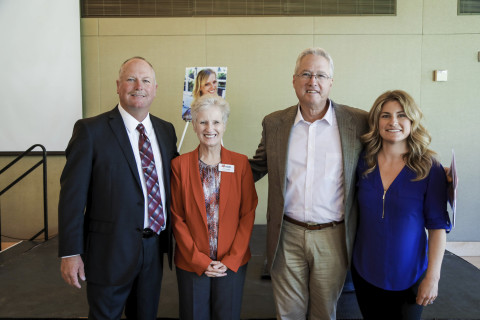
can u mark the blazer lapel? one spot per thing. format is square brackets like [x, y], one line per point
[225, 183]
[347, 138]
[196, 185]
[120, 132]
[282, 135]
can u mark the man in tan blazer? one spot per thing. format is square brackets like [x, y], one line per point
[310, 152]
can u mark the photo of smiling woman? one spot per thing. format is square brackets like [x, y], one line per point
[200, 81]
[213, 211]
[402, 190]
[205, 83]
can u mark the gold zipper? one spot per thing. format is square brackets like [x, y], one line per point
[383, 206]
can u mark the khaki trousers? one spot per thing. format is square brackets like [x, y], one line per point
[308, 272]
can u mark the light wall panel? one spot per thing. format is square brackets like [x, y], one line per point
[368, 65]
[452, 110]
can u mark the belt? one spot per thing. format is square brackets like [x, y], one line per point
[148, 233]
[312, 226]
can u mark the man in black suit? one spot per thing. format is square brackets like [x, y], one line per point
[108, 235]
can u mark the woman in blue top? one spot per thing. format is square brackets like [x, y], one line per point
[402, 190]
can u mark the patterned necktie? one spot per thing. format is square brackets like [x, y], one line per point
[155, 209]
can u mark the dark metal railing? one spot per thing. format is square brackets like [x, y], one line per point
[45, 206]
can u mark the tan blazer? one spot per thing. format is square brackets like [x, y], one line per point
[271, 158]
[238, 200]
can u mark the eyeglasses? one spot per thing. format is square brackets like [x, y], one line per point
[308, 75]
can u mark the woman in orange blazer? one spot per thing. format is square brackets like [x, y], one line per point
[213, 211]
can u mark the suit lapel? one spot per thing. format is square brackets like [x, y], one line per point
[282, 135]
[196, 185]
[161, 133]
[225, 183]
[120, 132]
[347, 138]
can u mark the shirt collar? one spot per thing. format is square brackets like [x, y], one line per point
[131, 123]
[328, 117]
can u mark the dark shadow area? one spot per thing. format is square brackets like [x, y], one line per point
[31, 287]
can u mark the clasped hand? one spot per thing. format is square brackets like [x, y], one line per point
[216, 269]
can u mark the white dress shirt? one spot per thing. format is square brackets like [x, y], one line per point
[314, 190]
[131, 125]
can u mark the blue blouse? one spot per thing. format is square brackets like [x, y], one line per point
[390, 252]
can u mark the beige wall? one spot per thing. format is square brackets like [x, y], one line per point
[371, 55]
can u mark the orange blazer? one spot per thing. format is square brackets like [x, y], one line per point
[238, 200]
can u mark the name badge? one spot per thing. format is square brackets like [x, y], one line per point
[226, 167]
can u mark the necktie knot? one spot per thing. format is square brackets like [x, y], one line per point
[141, 128]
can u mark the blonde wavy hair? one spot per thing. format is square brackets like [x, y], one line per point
[200, 80]
[419, 158]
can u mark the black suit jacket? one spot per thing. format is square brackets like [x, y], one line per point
[101, 207]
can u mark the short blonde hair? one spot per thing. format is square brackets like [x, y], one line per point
[207, 101]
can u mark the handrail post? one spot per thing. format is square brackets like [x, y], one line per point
[0, 224]
[45, 193]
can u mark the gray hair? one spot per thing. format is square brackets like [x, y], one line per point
[317, 52]
[207, 101]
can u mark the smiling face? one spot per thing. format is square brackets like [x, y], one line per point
[312, 93]
[209, 126]
[210, 85]
[394, 125]
[136, 88]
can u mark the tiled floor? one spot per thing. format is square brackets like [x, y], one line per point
[6, 245]
[473, 260]
[469, 251]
